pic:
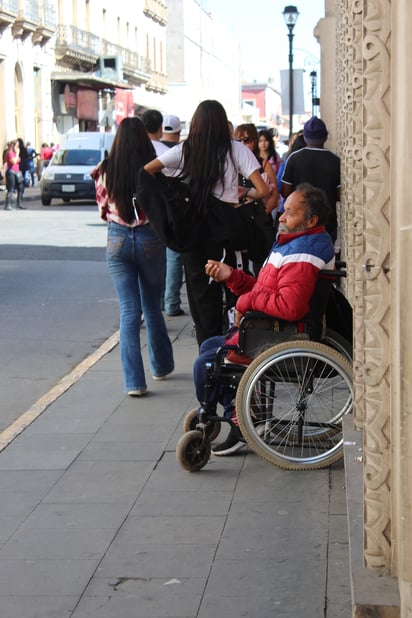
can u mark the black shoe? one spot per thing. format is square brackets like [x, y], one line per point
[175, 313]
[233, 443]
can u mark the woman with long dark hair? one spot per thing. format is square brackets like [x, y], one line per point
[210, 160]
[134, 255]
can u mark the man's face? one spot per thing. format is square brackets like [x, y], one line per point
[293, 218]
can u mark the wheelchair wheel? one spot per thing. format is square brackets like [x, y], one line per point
[212, 427]
[193, 451]
[290, 403]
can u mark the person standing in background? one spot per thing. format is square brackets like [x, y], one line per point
[135, 257]
[174, 260]
[317, 165]
[153, 123]
[14, 177]
[32, 155]
[210, 161]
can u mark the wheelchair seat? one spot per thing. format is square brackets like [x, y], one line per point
[259, 331]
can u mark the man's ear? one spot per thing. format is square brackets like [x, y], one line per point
[312, 222]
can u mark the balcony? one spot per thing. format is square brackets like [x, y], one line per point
[77, 47]
[27, 20]
[156, 10]
[47, 27]
[8, 13]
[157, 83]
[136, 68]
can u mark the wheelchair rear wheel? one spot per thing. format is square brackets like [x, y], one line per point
[193, 450]
[191, 420]
[290, 403]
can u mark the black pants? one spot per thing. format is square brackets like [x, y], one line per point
[207, 299]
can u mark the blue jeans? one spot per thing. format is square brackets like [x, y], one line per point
[174, 280]
[219, 393]
[136, 261]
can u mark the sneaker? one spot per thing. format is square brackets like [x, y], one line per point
[137, 392]
[174, 314]
[233, 443]
[161, 377]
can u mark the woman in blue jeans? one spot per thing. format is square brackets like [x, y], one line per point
[135, 257]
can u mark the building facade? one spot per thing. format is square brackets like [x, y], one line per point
[368, 89]
[84, 65]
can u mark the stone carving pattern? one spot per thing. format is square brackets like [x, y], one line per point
[376, 283]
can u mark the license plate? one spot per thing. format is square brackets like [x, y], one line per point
[68, 188]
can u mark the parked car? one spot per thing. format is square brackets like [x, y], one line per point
[68, 174]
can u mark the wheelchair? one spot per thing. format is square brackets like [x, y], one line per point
[291, 399]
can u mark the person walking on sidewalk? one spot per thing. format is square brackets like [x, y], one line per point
[210, 161]
[135, 257]
[283, 289]
[14, 177]
[174, 260]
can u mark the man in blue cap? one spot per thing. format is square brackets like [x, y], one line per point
[316, 165]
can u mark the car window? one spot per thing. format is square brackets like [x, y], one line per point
[76, 157]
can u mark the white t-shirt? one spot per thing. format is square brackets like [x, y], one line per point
[159, 147]
[244, 162]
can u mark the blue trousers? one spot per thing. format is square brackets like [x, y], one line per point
[136, 261]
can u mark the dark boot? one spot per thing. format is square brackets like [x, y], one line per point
[7, 203]
[20, 200]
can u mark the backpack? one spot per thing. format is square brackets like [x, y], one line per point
[182, 226]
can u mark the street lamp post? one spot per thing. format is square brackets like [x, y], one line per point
[290, 15]
[313, 81]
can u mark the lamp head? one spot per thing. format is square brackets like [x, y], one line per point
[290, 15]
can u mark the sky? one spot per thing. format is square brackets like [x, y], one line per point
[263, 36]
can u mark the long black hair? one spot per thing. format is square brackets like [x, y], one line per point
[205, 150]
[131, 149]
[268, 136]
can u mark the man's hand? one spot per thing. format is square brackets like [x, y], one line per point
[238, 317]
[218, 271]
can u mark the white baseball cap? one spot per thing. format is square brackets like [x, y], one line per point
[171, 124]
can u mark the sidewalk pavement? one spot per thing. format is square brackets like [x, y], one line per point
[98, 519]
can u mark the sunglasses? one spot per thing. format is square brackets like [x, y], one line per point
[245, 140]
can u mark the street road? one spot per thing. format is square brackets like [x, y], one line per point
[57, 300]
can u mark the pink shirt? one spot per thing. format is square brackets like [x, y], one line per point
[11, 155]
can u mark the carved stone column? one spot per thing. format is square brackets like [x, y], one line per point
[401, 323]
[377, 283]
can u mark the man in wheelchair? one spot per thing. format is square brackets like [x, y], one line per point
[283, 289]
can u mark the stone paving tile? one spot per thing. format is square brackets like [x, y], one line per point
[141, 598]
[182, 503]
[37, 606]
[57, 544]
[97, 482]
[166, 561]
[40, 452]
[123, 451]
[65, 419]
[290, 584]
[161, 530]
[51, 516]
[56, 578]
[259, 606]
[217, 475]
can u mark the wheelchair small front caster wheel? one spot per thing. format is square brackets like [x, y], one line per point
[193, 450]
[212, 428]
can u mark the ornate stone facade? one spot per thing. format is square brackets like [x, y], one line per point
[373, 100]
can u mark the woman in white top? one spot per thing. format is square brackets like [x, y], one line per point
[210, 161]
